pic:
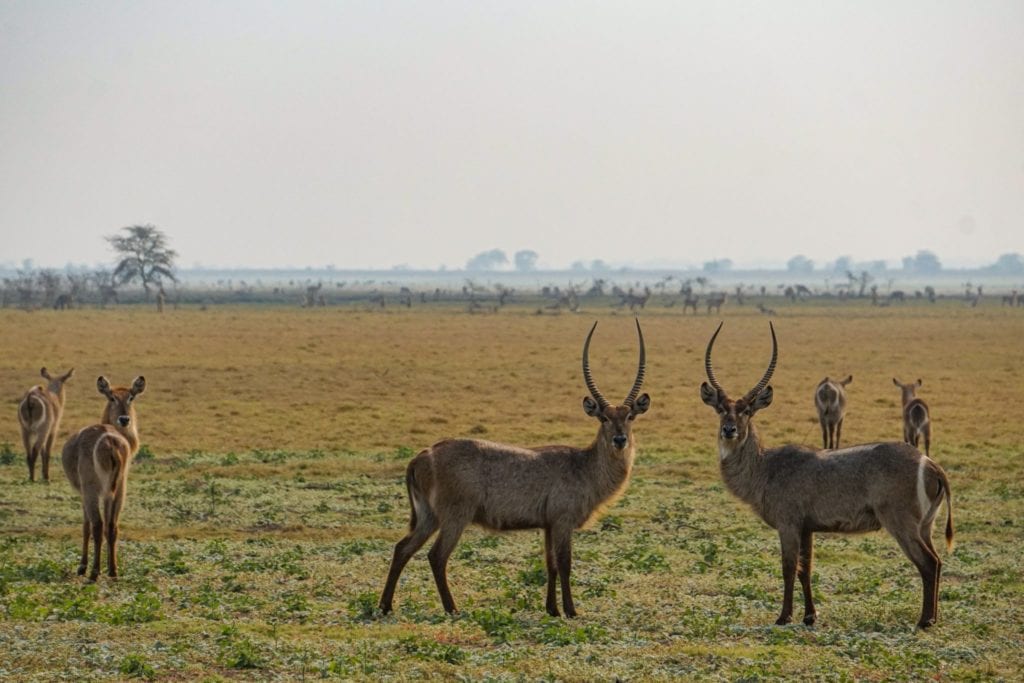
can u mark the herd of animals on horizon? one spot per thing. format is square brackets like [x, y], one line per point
[796, 490]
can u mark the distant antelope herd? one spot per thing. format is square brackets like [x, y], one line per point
[797, 490]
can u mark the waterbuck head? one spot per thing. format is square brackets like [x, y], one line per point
[734, 415]
[120, 409]
[909, 390]
[56, 383]
[616, 421]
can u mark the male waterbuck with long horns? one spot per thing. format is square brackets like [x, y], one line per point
[555, 488]
[96, 462]
[39, 416]
[917, 421]
[830, 400]
[800, 491]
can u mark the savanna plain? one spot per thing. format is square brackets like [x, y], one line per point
[269, 492]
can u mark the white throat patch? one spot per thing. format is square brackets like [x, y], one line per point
[723, 451]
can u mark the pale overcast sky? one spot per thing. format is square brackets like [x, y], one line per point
[372, 134]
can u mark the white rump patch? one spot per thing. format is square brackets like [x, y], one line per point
[42, 415]
[922, 495]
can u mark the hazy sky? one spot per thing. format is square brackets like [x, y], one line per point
[372, 134]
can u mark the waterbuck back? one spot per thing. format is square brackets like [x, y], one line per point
[830, 400]
[917, 422]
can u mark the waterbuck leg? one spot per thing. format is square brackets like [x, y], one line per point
[85, 546]
[804, 573]
[439, 554]
[96, 522]
[824, 435]
[563, 558]
[929, 565]
[404, 550]
[30, 456]
[552, 566]
[790, 541]
[927, 439]
[839, 432]
[112, 520]
[47, 448]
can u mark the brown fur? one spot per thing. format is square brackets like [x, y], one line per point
[96, 462]
[917, 422]
[799, 491]
[459, 482]
[39, 415]
[830, 400]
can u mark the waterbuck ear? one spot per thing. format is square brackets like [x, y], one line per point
[709, 395]
[591, 408]
[44, 373]
[67, 375]
[846, 381]
[896, 382]
[641, 405]
[919, 382]
[138, 386]
[763, 400]
[103, 386]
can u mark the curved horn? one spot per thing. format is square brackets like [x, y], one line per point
[641, 369]
[707, 360]
[768, 373]
[601, 400]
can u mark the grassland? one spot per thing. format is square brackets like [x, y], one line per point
[267, 498]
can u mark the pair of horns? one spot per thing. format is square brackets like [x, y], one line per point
[592, 387]
[759, 387]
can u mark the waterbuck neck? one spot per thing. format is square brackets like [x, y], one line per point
[607, 466]
[742, 467]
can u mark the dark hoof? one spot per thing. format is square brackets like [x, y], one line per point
[783, 620]
[925, 624]
[113, 575]
[553, 611]
[93, 577]
[384, 609]
[81, 570]
[570, 613]
[809, 619]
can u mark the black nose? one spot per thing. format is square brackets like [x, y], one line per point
[620, 440]
[124, 420]
[729, 431]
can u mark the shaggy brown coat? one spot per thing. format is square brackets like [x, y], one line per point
[39, 415]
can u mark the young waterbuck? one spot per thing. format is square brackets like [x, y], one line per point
[830, 400]
[917, 422]
[96, 462]
[555, 488]
[39, 416]
[799, 491]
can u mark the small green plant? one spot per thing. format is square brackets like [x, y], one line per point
[135, 666]
[7, 454]
[145, 454]
[422, 648]
[229, 459]
[498, 624]
[363, 606]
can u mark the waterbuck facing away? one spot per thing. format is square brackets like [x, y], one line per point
[96, 461]
[830, 400]
[799, 491]
[39, 416]
[555, 488]
[917, 422]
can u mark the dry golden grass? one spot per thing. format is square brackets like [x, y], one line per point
[236, 379]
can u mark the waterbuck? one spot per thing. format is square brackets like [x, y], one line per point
[799, 491]
[39, 416]
[555, 488]
[96, 462]
[830, 400]
[917, 422]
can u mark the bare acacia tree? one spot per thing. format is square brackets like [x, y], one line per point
[143, 255]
